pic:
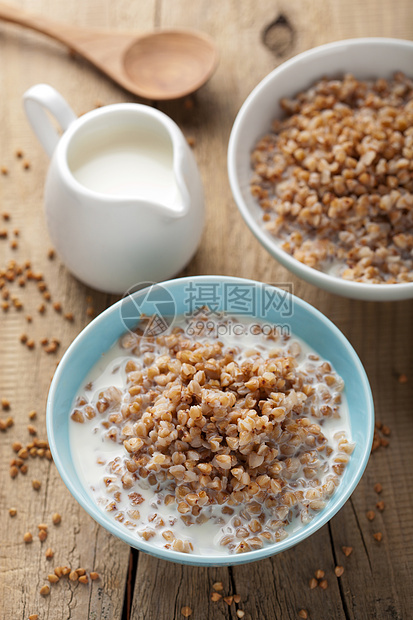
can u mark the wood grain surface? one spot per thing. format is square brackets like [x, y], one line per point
[253, 38]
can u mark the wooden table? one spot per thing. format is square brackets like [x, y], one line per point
[253, 38]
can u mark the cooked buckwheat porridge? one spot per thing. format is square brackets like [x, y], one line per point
[211, 445]
[335, 178]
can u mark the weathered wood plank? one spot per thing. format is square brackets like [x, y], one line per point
[176, 586]
[25, 375]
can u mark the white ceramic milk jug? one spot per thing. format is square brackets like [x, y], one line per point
[123, 194]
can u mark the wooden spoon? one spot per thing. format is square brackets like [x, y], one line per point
[161, 65]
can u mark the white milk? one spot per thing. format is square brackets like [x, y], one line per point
[88, 444]
[131, 162]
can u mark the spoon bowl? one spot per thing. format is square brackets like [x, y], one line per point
[160, 65]
[169, 64]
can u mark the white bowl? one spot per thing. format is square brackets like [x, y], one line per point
[365, 58]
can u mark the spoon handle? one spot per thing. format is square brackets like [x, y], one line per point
[55, 30]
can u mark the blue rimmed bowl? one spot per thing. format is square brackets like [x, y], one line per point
[268, 304]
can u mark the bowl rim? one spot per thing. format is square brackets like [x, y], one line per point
[197, 559]
[361, 290]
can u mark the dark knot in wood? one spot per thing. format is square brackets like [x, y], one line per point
[279, 36]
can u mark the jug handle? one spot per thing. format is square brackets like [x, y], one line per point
[37, 100]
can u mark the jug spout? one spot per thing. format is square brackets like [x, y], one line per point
[169, 192]
[180, 180]
[184, 169]
[178, 186]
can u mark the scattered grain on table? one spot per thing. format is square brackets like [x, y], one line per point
[42, 535]
[53, 578]
[13, 471]
[189, 103]
[381, 432]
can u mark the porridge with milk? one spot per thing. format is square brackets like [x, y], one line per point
[208, 445]
[334, 178]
